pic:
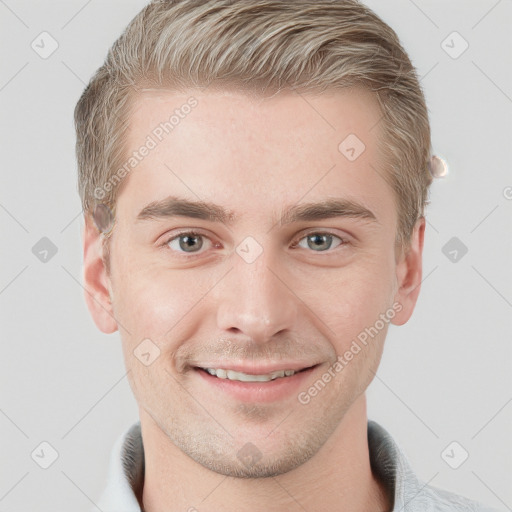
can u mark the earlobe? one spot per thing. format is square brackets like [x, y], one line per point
[409, 274]
[96, 281]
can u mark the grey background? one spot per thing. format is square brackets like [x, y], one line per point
[445, 375]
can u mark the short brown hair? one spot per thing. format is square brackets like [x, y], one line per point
[257, 46]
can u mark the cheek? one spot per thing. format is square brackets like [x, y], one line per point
[353, 302]
[150, 300]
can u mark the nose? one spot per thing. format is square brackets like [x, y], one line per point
[255, 300]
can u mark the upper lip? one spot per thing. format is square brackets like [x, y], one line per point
[255, 369]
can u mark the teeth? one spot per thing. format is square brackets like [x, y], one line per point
[222, 374]
[245, 377]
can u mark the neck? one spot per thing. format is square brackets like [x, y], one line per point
[337, 478]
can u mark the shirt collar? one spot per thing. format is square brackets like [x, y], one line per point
[125, 473]
[126, 470]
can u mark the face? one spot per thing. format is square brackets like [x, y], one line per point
[249, 242]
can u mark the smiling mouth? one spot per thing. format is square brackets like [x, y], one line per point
[222, 373]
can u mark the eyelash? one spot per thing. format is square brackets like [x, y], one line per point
[193, 233]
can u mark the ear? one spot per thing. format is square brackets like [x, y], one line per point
[409, 274]
[97, 283]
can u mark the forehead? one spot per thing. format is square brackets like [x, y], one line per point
[251, 153]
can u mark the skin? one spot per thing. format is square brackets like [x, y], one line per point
[255, 157]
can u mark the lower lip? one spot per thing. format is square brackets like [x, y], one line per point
[271, 391]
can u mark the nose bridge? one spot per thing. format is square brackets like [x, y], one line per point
[254, 300]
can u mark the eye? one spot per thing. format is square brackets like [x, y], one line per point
[192, 242]
[188, 242]
[319, 242]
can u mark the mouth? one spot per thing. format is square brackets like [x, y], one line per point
[222, 373]
[255, 385]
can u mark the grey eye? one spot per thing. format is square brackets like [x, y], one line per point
[319, 242]
[187, 242]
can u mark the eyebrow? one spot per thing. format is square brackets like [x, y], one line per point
[173, 206]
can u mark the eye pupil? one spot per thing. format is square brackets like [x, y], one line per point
[187, 242]
[318, 240]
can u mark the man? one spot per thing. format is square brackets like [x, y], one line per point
[254, 176]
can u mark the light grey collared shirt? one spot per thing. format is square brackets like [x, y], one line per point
[388, 462]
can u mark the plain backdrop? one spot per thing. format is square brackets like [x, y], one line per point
[445, 376]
